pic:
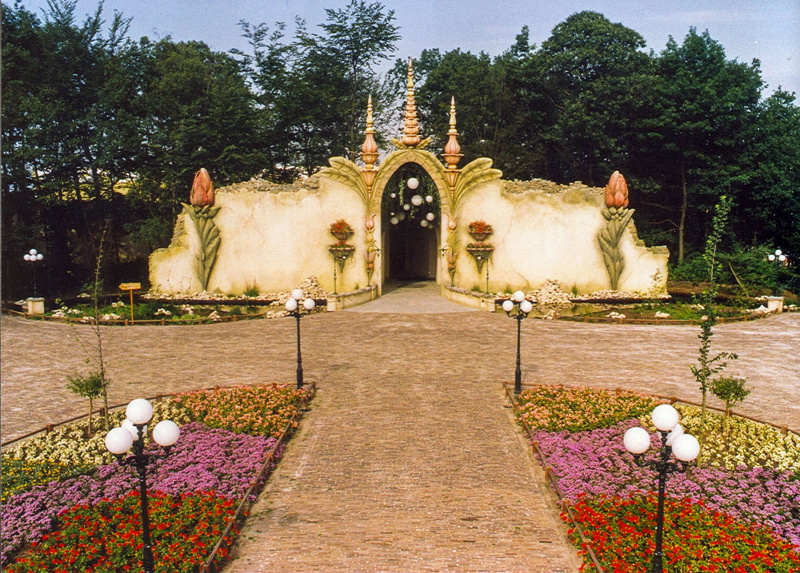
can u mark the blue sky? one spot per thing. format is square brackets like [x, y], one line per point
[766, 29]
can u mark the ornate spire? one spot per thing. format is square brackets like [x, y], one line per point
[452, 150]
[411, 136]
[369, 151]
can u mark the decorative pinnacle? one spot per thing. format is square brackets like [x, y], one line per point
[369, 150]
[452, 150]
[411, 136]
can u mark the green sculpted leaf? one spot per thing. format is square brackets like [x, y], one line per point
[345, 171]
[473, 174]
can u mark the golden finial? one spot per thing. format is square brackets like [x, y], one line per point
[452, 150]
[411, 136]
[369, 150]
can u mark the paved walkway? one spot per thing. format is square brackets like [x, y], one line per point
[408, 460]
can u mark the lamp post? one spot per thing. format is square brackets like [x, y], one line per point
[131, 433]
[293, 306]
[779, 259]
[684, 447]
[33, 257]
[518, 307]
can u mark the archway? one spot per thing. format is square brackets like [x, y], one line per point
[411, 216]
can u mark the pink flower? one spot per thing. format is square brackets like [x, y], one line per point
[202, 189]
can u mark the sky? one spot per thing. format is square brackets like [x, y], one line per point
[768, 30]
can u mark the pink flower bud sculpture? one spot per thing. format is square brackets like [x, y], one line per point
[617, 216]
[202, 212]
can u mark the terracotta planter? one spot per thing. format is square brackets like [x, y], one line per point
[480, 237]
[342, 235]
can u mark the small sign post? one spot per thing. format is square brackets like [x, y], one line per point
[130, 287]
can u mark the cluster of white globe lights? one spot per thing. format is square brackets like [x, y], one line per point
[294, 301]
[685, 447]
[518, 298]
[138, 414]
[33, 255]
[416, 200]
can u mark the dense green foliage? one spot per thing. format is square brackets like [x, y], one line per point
[98, 126]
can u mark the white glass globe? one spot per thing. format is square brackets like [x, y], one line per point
[636, 440]
[40, 256]
[119, 441]
[508, 305]
[128, 425]
[27, 257]
[291, 305]
[423, 223]
[770, 258]
[665, 417]
[673, 435]
[309, 304]
[401, 216]
[32, 252]
[686, 448]
[416, 200]
[394, 220]
[139, 411]
[297, 294]
[781, 258]
[430, 216]
[429, 198]
[518, 296]
[393, 195]
[526, 306]
[413, 183]
[778, 252]
[406, 207]
[166, 433]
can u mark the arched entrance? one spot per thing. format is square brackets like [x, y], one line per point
[410, 217]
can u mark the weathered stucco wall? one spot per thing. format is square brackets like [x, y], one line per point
[276, 236]
[546, 231]
[271, 236]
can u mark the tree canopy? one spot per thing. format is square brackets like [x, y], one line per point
[101, 129]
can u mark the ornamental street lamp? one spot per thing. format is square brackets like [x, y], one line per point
[518, 307]
[779, 259]
[294, 308]
[131, 433]
[33, 257]
[685, 447]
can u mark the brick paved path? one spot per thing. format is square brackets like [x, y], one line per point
[408, 460]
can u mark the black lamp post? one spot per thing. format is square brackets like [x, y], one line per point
[685, 447]
[293, 306]
[518, 307]
[131, 433]
[33, 257]
[779, 259]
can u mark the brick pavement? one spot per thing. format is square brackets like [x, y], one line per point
[391, 469]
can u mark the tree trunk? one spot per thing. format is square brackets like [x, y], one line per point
[684, 205]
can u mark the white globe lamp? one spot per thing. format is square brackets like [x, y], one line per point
[166, 433]
[636, 440]
[665, 417]
[139, 411]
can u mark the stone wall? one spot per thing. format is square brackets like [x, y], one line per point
[274, 236]
[543, 231]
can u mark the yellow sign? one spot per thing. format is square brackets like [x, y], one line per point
[130, 286]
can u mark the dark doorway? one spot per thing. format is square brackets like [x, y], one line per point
[411, 218]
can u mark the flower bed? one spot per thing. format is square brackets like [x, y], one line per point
[206, 471]
[745, 506]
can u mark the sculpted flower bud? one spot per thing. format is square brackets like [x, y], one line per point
[617, 191]
[202, 189]
[370, 224]
[451, 223]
